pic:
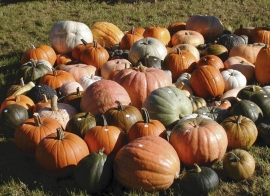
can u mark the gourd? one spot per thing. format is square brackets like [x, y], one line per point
[24, 89]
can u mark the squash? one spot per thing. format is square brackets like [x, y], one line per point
[147, 163]
[150, 61]
[212, 60]
[238, 164]
[74, 98]
[233, 79]
[231, 40]
[248, 91]
[218, 50]
[44, 102]
[189, 48]
[261, 35]
[24, 88]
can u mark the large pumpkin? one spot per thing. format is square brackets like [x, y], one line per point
[262, 67]
[141, 81]
[199, 140]
[65, 35]
[147, 163]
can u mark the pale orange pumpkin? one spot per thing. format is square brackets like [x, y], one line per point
[193, 38]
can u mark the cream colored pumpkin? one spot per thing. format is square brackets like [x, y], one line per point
[193, 38]
[88, 80]
[233, 79]
[65, 35]
[70, 87]
[113, 65]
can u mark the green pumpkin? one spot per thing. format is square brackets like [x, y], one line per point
[263, 101]
[200, 181]
[94, 172]
[216, 113]
[81, 123]
[264, 131]
[248, 91]
[168, 105]
[248, 109]
[150, 61]
[10, 118]
[33, 70]
[231, 40]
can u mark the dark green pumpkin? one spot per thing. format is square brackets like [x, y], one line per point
[150, 61]
[231, 40]
[216, 113]
[248, 109]
[264, 131]
[248, 91]
[123, 116]
[263, 101]
[36, 93]
[81, 123]
[167, 104]
[10, 118]
[94, 172]
[33, 70]
[200, 181]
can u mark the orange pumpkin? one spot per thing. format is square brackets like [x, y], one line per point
[261, 35]
[262, 67]
[212, 60]
[160, 33]
[113, 65]
[63, 59]
[129, 39]
[176, 26]
[77, 50]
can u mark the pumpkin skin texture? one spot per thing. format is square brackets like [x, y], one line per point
[101, 95]
[94, 172]
[205, 179]
[150, 162]
[214, 112]
[264, 131]
[129, 39]
[261, 35]
[10, 118]
[31, 131]
[141, 81]
[238, 164]
[262, 68]
[212, 60]
[65, 35]
[167, 104]
[247, 91]
[241, 131]
[58, 153]
[160, 33]
[199, 140]
[263, 101]
[207, 82]
[37, 92]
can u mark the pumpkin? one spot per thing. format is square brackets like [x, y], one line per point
[189, 48]
[38, 91]
[31, 131]
[33, 70]
[193, 38]
[240, 64]
[42, 52]
[231, 40]
[262, 99]
[65, 35]
[148, 45]
[123, 116]
[63, 59]
[167, 104]
[146, 127]
[95, 55]
[150, 61]
[140, 81]
[77, 50]
[218, 50]
[107, 34]
[21, 89]
[233, 79]
[113, 65]
[199, 140]
[207, 82]
[262, 68]
[94, 172]
[196, 102]
[238, 164]
[69, 87]
[212, 60]
[241, 131]
[209, 26]
[129, 39]
[247, 91]
[86, 81]
[44, 102]
[205, 179]
[179, 61]
[10, 118]
[186, 88]
[147, 163]
[241, 30]
[58, 153]
[62, 112]
[56, 79]
[176, 26]
[264, 130]
[261, 35]
[101, 95]
[216, 113]
[74, 98]
[110, 137]
[160, 33]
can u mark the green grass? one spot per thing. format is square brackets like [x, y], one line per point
[26, 22]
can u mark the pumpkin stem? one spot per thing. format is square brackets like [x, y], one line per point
[178, 51]
[37, 119]
[120, 106]
[33, 62]
[239, 119]
[101, 151]
[54, 72]
[145, 115]
[92, 76]
[132, 30]
[33, 46]
[95, 43]
[197, 168]
[84, 42]
[60, 133]
[235, 156]
[105, 124]
[22, 82]
[54, 106]
[17, 98]
[87, 114]
[141, 67]
[78, 93]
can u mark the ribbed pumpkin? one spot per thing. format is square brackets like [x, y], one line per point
[196, 102]
[207, 82]
[199, 140]
[261, 35]
[262, 99]
[123, 116]
[140, 81]
[129, 39]
[146, 127]
[264, 131]
[58, 153]
[247, 91]
[212, 60]
[106, 136]
[216, 113]
[167, 104]
[218, 50]
[189, 48]
[74, 99]
[147, 163]
[262, 67]
[44, 102]
[160, 33]
[179, 61]
[107, 34]
[193, 38]
[233, 79]
[42, 52]
[31, 131]
[101, 95]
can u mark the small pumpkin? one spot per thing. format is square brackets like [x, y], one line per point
[231, 40]
[129, 38]
[74, 98]
[216, 113]
[212, 60]
[86, 81]
[233, 79]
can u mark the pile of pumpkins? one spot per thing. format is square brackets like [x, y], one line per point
[103, 104]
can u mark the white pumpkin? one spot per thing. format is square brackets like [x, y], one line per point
[65, 35]
[233, 79]
[70, 87]
[148, 45]
[88, 80]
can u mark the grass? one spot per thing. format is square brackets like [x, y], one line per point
[26, 22]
